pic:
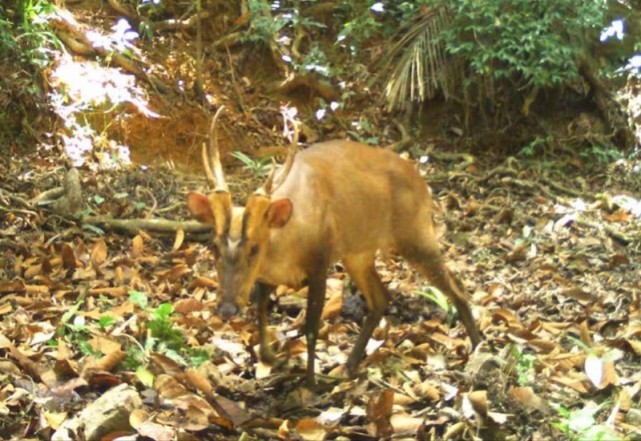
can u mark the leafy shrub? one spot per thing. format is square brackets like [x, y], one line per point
[537, 43]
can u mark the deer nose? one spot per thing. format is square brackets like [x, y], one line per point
[227, 310]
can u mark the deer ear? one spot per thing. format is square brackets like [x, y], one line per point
[200, 207]
[279, 213]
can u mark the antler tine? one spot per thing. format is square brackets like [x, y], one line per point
[205, 158]
[291, 153]
[272, 182]
[218, 176]
[266, 188]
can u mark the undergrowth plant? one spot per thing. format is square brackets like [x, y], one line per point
[581, 424]
[257, 167]
[533, 43]
[163, 336]
[35, 37]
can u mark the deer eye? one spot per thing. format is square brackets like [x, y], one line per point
[254, 250]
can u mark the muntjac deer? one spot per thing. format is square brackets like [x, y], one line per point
[335, 200]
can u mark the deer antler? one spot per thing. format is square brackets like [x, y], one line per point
[217, 178]
[273, 182]
[291, 153]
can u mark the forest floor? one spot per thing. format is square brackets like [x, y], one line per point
[550, 258]
[109, 329]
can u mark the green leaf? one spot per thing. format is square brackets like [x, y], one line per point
[145, 376]
[436, 296]
[70, 313]
[163, 311]
[138, 298]
[106, 320]
[198, 357]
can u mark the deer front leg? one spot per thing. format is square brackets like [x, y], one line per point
[263, 292]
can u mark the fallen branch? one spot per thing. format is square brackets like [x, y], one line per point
[133, 226]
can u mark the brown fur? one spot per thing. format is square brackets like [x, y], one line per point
[341, 200]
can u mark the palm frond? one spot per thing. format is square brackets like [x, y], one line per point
[421, 67]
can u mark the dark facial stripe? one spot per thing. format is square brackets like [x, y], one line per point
[243, 230]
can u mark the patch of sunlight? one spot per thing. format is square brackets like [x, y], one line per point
[87, 85]
[628, 203]
[634, 63]
[579, 204]
[83, 90]
[615, 29]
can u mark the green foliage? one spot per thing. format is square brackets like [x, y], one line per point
[524, 366]
[255, 166]
[536, 43]
[264, 27]
[600, 154]
[361, 23]
[138, 298]
[135, 357]
[315, 60]
[167, 337]
[581, 425]
[438, 298]
[164, 336]
[105, 321]
[533, 147]
[35, 38]
[74, 328]
[145, 376]
[364, 131]
[8, 42]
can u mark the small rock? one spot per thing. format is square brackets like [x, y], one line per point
[108, 413]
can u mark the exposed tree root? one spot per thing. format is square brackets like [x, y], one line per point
[176, 24]
[611, 110]
[294, 81]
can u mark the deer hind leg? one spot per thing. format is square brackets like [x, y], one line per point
[425, 256]
[362, 271]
